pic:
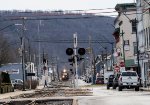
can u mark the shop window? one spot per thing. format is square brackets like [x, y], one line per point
[133, 22]
[126, 42]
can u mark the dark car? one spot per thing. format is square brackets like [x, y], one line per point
[115, 80]
[89, 79]
[110, 81]
[99, 80]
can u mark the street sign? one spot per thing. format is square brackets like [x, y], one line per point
[143, 56]
[117, 68]
[75, 39]
[122, 64]
[50, 70]
[30, 74]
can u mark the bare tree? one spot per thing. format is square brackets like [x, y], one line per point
[6, 52]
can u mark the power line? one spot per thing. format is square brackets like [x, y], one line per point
[71, 41]
[50, 18]
[67, 12]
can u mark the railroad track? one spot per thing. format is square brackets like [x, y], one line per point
[48, 96]
[57, 92]
[40, 101]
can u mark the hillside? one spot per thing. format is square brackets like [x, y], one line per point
[57, 26]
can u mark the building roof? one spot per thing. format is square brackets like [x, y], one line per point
[14, 69]
[125, 6]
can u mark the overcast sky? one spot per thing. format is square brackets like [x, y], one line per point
[59, 4]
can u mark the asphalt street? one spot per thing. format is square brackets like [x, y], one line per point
[102, 96]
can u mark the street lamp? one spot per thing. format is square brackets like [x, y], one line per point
[21, 51]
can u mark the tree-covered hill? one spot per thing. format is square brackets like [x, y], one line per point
[53, 27]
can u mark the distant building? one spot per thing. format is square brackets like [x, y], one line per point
[108, 70]
[125, 36]
[15, 70]
[143, 32]
[104, 67]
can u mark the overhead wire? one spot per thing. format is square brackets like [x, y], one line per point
[82, 13]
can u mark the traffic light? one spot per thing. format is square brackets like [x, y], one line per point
[44, 60]
[81, 51]
[70, 69]
[79, 58]
[71, 64]
[71, 59]
[69, 51]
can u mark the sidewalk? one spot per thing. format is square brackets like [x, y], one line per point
[18, 92]
[145, 89]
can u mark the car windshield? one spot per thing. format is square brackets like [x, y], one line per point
[129, 74]
[111, 76]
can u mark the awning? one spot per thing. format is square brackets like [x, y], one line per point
[130, 63]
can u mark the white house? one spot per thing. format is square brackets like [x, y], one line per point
[125, 35]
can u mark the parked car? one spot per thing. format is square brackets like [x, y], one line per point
[110, 81]
[99, 80]
[128, 79]
[115, 80]
[89, 79]
[17, 83]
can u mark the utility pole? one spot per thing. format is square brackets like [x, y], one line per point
[75, 57]
[106, 58]
[122, 33]
[39, 68]
[112, 59]
[73, 69]
[22, 58]
[39, 65]
[91, 57]
[29, 50]
[57, 68]
[103, 61]
[94, 67]
[137, 47]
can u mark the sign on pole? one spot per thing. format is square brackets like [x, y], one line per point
[75, 40]
[117, 68]
[143, 56]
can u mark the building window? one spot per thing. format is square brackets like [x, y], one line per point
[133, 22]
[149, 35]
[126, 42]
[135, 48]
[126, 45]
[144, 37]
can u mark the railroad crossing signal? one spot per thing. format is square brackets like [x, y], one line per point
[69, 51]
[81, 51]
